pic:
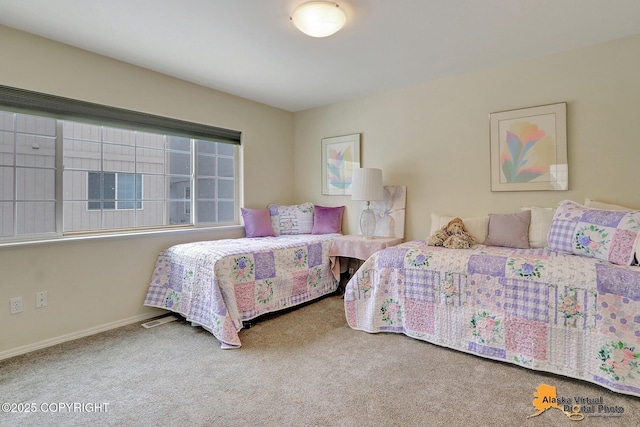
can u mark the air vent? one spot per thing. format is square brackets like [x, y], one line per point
[159, 321]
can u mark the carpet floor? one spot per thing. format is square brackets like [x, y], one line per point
[305, 367]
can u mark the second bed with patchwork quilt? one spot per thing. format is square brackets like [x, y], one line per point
[541, 309]
[219, 284]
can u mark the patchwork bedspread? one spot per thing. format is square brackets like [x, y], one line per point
[540, 309]
[218, 284]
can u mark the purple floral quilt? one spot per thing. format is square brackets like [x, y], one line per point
[218, 284]
[544, 310]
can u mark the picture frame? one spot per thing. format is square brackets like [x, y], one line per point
[340, 156]
[529, 149]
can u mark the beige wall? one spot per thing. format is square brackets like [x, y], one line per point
[95, 284]
[434, 137]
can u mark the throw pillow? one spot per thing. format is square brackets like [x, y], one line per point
[510, 230]
[292, 219]
[257, 222]
[598, 233]
[475, 225]
[608, 206]
[327, 219]
[540, 225]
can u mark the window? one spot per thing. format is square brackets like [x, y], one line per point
[114, 190]
[27, 175]
[60, 176]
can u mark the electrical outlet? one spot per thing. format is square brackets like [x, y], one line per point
[16, 305]
[41, 299]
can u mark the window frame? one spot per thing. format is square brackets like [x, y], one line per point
[138, 200]
[187, 196]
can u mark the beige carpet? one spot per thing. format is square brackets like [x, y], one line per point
[302, 368]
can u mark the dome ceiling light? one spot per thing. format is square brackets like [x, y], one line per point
[318, 18]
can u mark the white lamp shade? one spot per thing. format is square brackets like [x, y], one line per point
[366, 184]
[318, 18]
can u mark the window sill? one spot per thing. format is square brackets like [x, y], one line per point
[124, 234]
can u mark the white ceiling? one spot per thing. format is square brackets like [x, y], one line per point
[249, 48]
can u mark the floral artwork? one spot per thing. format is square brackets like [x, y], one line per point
[528, 153]
[340, 156]
[528, 149]
[390, 211]
[338, 175]
[620, 361]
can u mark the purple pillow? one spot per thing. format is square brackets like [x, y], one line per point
[327, 220]
[257, 222]
[510, 230]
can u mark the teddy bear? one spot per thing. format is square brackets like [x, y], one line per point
[454, 235]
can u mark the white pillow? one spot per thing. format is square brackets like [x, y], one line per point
[540, 225]
[478, 226]
[588, 203]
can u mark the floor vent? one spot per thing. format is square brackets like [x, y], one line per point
[159, 321]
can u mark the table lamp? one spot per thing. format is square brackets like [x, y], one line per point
[366, 185]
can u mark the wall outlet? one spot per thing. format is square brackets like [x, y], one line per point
[41, 299]
[16, 305]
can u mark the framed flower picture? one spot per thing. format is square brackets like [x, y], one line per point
[529, 149]
[340, 156]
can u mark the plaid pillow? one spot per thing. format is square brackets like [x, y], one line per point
[596, 233]
[293, 219]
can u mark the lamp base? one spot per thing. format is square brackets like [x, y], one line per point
[367, 223]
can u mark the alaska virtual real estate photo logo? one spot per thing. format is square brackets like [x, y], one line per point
[576, 407]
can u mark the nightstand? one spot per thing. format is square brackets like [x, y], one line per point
[358, 249]
[352, 246]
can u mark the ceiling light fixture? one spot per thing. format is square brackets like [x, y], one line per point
[318, 18]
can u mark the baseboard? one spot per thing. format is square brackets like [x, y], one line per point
[74, 336]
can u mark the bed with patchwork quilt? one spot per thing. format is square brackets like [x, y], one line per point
[220, 284]
[572, 308]
[548, 311]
